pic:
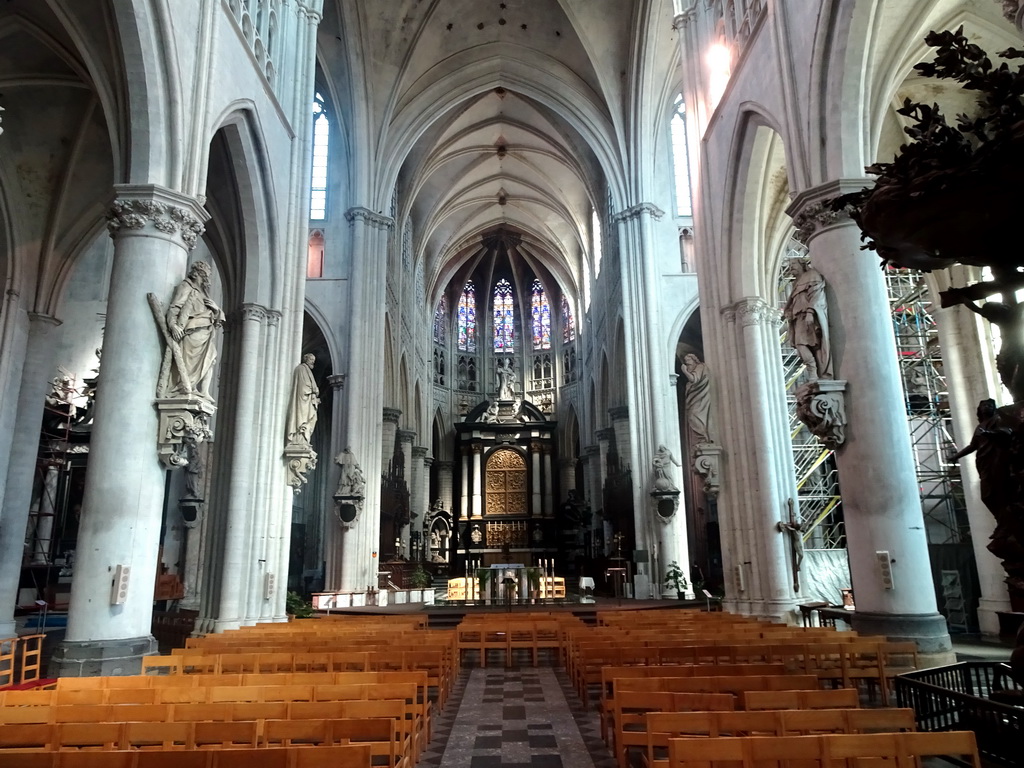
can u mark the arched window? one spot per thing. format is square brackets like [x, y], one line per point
[504, 317]
[467, 319]
[315, 254]
[681, 159]
[441, 320]
[541, 311]
[595, 232]
[321, 129]
[568, 324]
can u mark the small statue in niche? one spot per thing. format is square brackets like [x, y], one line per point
[302, 410]
[698, 397]
[189, 329]
[807, 313]
[663, 461]
[508, 380]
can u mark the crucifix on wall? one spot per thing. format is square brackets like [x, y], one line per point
[795, 531]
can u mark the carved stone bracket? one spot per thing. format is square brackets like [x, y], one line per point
[821, 406]
[636, 211]
[191, 512]
[707, 462]
[348, 499]
[368, 217]
[666, 503]
[300, 459]
[181, 421]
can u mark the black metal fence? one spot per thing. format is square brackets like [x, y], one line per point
[956, 698]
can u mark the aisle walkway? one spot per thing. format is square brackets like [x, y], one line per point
[519, 718]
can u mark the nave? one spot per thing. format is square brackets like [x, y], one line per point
[666, 688]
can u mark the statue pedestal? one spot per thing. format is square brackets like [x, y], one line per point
[181, 419]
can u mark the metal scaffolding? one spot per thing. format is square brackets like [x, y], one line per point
[926, 400]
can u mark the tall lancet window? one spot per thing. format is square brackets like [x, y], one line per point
[541, 311]
[318, 185]
[441, 320]
[504, 317]
[681, 159]
[568, 324]
[467, 319]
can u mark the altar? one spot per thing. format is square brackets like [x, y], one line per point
[507, 583]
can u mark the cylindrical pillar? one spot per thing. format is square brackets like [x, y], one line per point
[404, 438]
[36, 374]
[885, 533]
[549, 490]
[421, 496]
[536, 498]
[238, 534]
[478, 474]
[153, 230]
[445, 486]
[332, 526]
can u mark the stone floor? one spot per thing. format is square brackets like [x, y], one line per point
[517, 718]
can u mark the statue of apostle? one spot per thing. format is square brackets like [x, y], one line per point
[807, 313]
[304, 401]
[192, 319]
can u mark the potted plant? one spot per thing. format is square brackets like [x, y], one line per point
[533, 580]
[298, 608]
[483, 575]
[674, 575]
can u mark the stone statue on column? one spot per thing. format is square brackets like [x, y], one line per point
[189, 328]
[698, 397]
[300, 457]
[663, 461]
[348, 498]
[806, 311]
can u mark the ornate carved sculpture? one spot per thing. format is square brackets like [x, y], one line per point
[707, 461]
[698, 397]
[348, 499]
[806, 311]
[300, 457]
[189, 330]
[821, 406]
[663, 461]
[508, 381]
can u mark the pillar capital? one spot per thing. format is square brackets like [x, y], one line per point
[369, 218]
[405, 435]
[604, 435]
[150, 210]
[391, 415]
[590, 451]
[619, 412]
[751, 311]
[420, 452]
[444, 465]
[811, 209]
[37, 317]
[337, 381]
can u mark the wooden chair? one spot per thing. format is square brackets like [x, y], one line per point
[99, 735]
[839, 698]
[24, 736]
[165, 736]
[229, 735]
[108, 759]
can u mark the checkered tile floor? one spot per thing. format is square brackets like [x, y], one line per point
[517, 718]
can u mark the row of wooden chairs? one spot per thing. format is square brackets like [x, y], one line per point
[508, 635]
[893, 750]
[342, 756]
[386, 742]
[20, 659]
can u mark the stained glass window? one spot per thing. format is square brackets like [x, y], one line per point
[318, 191]
[568, 324]
[541, 311]
[441, 320]
[504, 317]
[467, 319]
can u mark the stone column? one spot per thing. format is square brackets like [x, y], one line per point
[389, 431]
[44, 518]
[965, 375]
[405, 438]
[153, 229]
[881, 503]
[239, 535]
[671, 533]
[36, 373]
[768, 486]
[332, 526]
[567, 476]
[445, 486]
[420, 502]
[620, 424]
[478, 474]
[549, 490]
[536, 499]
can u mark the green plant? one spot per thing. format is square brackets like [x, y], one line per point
[296, 606]
[674, 575]
[420, 578]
